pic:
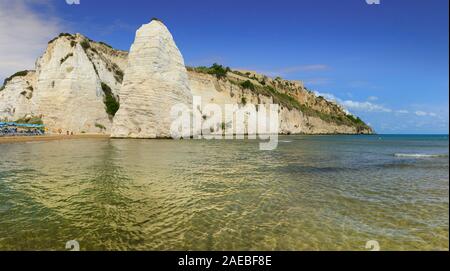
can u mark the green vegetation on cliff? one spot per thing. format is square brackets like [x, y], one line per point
[217, 70]
[7, 80]
[281, 97]
[292, 103]
[111, 104]
[30, 120]
[248, 85]
[66, 57]
[100, 126]
[85, 44]
[67, 35]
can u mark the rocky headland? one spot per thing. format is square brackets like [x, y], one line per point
[88, 87]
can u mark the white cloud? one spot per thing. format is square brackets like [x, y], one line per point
[425, 114]
[330, 97]
[372, 98]
[24, 34]
[365, 106]
[411, 120]
[355, 105]
[421, 113]
[393, 121]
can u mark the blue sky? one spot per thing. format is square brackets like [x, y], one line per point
[387, 63]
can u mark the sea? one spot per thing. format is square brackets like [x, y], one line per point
[312, 193]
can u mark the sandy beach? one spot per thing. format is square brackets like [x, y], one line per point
[21, 139]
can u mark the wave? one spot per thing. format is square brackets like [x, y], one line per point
[420, 155]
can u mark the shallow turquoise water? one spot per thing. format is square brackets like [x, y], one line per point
[311, 193]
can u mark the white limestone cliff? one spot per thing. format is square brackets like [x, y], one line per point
[67, 90]
[317, 120]
[77, 80]
[155, 80]
[67, 82]
[16, 97]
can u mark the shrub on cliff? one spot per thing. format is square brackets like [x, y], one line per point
[112, 105]
[218, 70]
[248, 85]
[157, 19]
[62, 35]
[105, 44]
[355, 120]
[32, 120]
[21, 73]
[85, 44]
[100, 126]
[118, 75]
[66, 57]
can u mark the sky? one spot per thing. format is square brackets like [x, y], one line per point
[386, 62]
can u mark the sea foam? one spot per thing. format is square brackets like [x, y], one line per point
[420, 155]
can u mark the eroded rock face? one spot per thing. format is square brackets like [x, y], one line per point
[16, 97]
[291, 121]
[69, 95]
[155, 80]
[66, 88]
